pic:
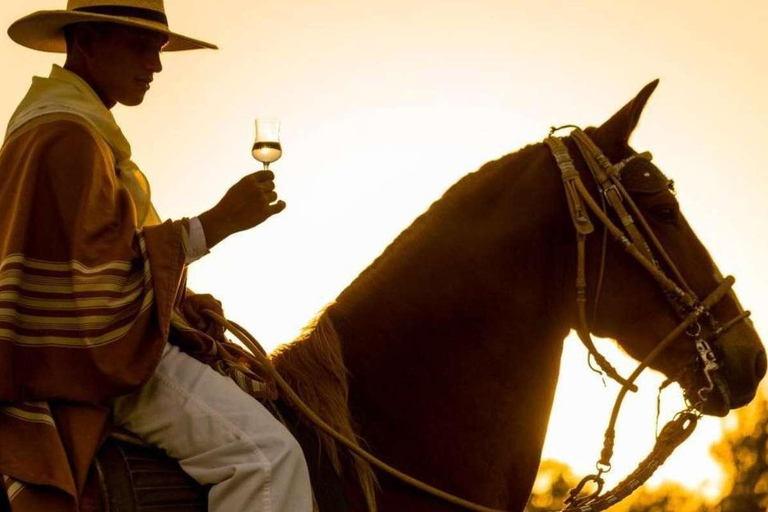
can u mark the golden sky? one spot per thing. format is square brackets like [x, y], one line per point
[385, 103]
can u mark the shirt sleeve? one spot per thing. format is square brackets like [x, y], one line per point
[195, 245]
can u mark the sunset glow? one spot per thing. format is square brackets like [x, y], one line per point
[385, 104]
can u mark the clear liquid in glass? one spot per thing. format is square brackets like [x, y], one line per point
[267, 152]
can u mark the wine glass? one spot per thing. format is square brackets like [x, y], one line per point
[267, 148]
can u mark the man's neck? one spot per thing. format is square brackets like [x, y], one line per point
[82, 72]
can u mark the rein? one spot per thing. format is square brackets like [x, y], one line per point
[682, 298]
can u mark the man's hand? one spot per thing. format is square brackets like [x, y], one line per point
[193, 307]
[249, 202]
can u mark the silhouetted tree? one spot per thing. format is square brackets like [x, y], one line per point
[553, 482]
[556, 479]
[743, 454]
[670, 497]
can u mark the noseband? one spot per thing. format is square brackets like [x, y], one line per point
[683, 300]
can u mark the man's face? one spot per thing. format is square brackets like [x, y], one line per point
[122, 63]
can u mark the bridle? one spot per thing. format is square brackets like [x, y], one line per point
[682, 298]
[689, 308]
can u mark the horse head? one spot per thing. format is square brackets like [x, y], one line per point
[635, 310]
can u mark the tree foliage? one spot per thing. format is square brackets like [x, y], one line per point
[742, 453]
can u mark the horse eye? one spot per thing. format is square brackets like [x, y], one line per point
[666, 213]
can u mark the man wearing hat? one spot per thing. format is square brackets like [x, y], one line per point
[96, 322]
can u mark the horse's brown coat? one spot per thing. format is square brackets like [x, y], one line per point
[453, 337]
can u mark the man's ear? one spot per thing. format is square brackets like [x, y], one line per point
[613, 135]
[84, 37]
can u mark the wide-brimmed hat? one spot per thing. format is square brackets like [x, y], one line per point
[43, 30]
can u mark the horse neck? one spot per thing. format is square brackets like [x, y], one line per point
[490, 267]
[453, 337]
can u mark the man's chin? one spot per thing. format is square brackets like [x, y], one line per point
[132, 101]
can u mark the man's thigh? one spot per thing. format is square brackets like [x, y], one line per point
[189, 410]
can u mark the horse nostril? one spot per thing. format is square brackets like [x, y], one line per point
[760, 365]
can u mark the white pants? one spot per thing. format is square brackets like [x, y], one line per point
[220, 435]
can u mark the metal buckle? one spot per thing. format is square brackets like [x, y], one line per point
[573, 495]
[710, 365]
[615, 189]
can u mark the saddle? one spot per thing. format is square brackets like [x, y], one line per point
[131, 477]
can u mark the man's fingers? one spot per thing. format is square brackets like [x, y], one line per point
[262, 176]
[271, 197]
[267, 186]
[188, 309]
[276, 208]
[194, 318]
[195, 306]
[210, 302]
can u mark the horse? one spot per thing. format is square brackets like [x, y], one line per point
[443, 356]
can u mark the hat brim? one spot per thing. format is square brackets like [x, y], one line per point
[43, 30]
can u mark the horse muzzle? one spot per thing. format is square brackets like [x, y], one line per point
[742, 365]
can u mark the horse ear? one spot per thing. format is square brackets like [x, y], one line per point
[616, 131]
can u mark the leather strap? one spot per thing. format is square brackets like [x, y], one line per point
[604, 171]
[583, 225]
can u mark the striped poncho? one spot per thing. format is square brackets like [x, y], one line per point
[90, 284]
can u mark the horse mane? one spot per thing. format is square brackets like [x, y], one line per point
[314, 367]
